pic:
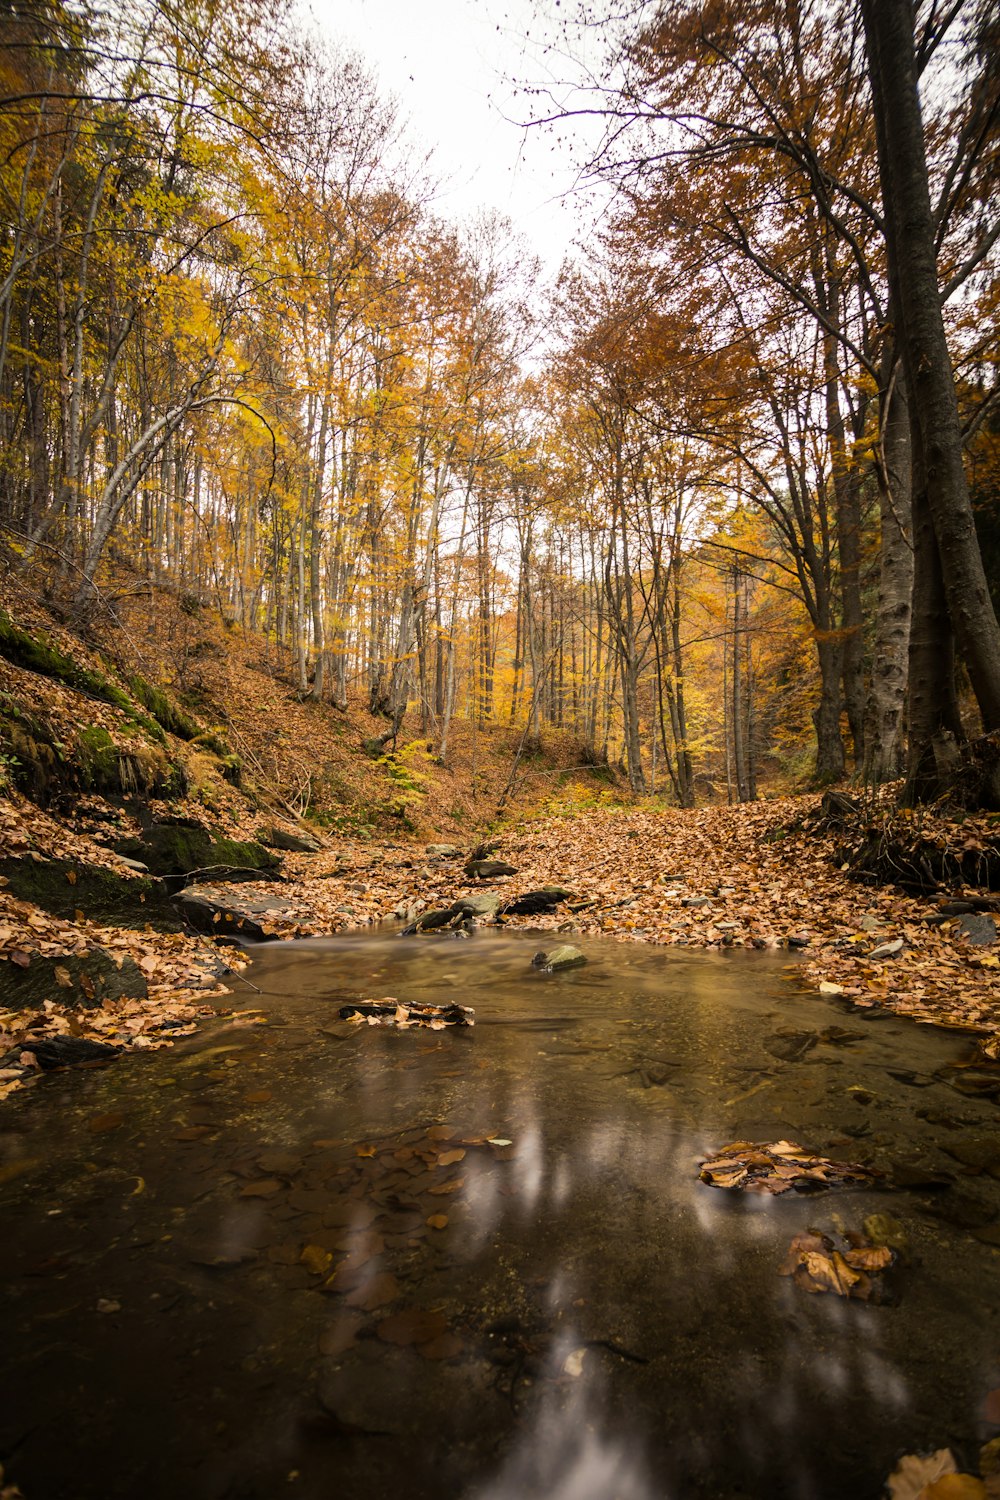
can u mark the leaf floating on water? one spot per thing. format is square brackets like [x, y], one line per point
[916, 1471]
[99, 1124]
[775, 1167]
[573, 1363]
[400, 1013]
[366, 1150]
[956, 1487]
[448, 1158]
[818, 1266]
[437, 1221]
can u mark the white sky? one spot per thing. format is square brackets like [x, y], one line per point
[448, 63]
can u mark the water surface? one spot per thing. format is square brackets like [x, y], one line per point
[582, 1318]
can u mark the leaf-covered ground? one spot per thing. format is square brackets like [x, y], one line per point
[721, 877]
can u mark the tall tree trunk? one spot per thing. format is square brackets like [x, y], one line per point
[910, 245]
[887, 691]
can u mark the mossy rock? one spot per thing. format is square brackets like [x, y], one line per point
[63, 887]
[35, 760]
[179, 849]
[80, 981]
[39, 655]
[136, 769]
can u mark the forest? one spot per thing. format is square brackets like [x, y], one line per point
[500, 761]
[690, 501]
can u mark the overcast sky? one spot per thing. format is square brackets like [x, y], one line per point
[449, 64]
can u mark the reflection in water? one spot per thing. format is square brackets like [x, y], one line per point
[348, 1287]
[567, 1453]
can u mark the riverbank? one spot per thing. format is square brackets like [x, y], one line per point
[764, 876]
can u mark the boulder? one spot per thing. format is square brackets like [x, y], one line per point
[174, 849]
[488, 869]
[485, 905]
[980, 930]
[275, 837]
[63, 887]
[563, 957]
[62, 1052]
[547, 898]
[442, 851]
[85, 980]
[218, 913]
[439, 916]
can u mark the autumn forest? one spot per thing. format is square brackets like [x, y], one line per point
[689, 500]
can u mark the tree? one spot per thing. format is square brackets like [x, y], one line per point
[948, 555]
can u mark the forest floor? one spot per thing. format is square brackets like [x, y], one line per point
[757, 876]
[769, 875]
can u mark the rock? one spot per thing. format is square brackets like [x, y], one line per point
[276, 837]
[797, 940]
[428, 921]
[136, 865]
[485, 905]
[563, 957]
[442, 851]
[210, 911]
[696, 901]
[887, 950]
[980, 930]
[84, 980]
[547, 898]
[488, 869]
[116, 899]
[62, 1052]
[183, 848]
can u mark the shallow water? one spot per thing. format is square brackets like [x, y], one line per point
[590, 1322]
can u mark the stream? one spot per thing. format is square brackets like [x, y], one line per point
[533, 1296]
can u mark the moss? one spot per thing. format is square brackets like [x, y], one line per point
[180, 849]
[39, 655]
[63, 887]
[166, 714]
[97, 755]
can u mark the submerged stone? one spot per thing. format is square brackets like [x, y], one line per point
[563, 957]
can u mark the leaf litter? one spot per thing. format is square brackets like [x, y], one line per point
[778, 1166]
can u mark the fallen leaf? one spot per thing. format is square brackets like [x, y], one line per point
[266, 1187]
[316, 1260]
[915, 1471]
[378, 1292]
[448, 1158]
[99, 1124]
[437, 1221]
[414, 1325]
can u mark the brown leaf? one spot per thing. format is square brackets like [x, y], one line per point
[446, 1346]
[448, 1158]
[20, 957]
[437, 1221]
[266, 1187]
[448, 1187]
[99, 1124]
[341, 1335]
[316, 1260]
[413, 1325]
[378, 1292]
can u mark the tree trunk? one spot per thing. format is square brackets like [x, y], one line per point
[910, 245]
[887, 691]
